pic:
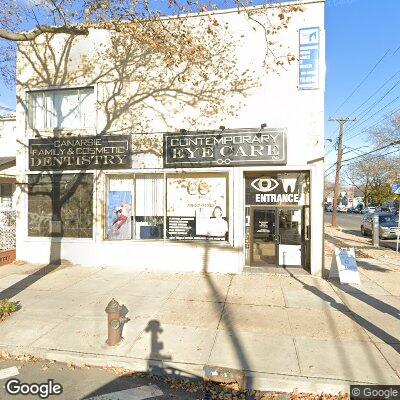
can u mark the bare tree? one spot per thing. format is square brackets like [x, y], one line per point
[25, 21]
[373, 178]
[386, 132]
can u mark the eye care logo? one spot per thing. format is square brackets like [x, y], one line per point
[265, 184]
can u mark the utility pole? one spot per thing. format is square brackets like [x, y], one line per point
[342, 122]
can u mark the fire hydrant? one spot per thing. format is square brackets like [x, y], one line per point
[115, 322]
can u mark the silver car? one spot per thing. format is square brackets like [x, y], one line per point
[388, 225]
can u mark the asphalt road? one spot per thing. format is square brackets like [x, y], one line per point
[91, 383]
[87, 383]
[351, 223]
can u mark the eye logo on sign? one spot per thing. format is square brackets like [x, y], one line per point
[265, 184]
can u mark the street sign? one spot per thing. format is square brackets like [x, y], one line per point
[396, 188]
[309, 47]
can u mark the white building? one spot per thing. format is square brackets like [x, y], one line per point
[124, 161]
[7, 162]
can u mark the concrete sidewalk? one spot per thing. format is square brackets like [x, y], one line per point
[287, 332]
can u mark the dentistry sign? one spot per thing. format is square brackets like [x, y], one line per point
[80, 153]
[266, 147]
[270, 190]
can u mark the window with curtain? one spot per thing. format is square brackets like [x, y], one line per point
[62, 109]
[149, 212]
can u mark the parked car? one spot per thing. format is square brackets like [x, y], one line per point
[388, 225]
[369, 210]
[341, 208]
[329, 209]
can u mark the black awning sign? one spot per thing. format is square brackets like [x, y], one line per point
[80, 153]
[267, 147]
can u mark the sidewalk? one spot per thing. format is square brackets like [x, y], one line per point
[287, 332]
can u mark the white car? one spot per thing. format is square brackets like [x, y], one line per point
[370, 210]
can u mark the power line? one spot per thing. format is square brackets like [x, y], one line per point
[370, 158]
[371, 96]
[362, 81]
[6, 109]
[397, 142]
[371, 116]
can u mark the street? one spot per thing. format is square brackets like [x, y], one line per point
[351, 223]
[88, 383]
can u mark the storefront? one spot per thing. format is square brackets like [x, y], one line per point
[221, 171]
[221, 202]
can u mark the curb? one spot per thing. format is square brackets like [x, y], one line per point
[262, 381]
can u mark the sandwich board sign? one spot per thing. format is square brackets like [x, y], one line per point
[396, 188]
[344, 266]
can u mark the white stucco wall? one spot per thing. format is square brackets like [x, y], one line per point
[277, 101]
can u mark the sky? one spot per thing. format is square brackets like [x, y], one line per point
[363, 70]
[363, 62]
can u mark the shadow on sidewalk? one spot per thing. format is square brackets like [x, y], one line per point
[173, 382]
[361, 321]
[26, 282]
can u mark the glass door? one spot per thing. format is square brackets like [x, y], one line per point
[290, 237]
[263, 237]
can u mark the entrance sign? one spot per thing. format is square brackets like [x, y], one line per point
[80, 153]
[309, 58]
[266, 147]
[268, 190]
[344, 266]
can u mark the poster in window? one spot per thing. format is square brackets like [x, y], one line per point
[197, 208]
[119, 225]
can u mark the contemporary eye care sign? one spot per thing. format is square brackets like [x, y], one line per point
[215, 149]
[309, 49]
[80, 153]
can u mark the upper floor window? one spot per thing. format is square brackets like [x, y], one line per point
[62, 109]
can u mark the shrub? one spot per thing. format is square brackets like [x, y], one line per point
[7, 307]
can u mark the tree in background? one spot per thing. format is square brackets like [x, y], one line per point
[373, 178]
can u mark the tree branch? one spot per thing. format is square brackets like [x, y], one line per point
[27, 36]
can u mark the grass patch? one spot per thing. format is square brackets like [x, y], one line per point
[7, 307]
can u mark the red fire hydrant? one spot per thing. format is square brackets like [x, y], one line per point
[115, 322]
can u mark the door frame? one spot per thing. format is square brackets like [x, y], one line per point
[275, 208]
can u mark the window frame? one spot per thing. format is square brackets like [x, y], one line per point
[165, 174]
[29, 116]
[57, 238]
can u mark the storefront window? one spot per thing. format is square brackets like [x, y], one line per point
[136, 207]
[60, 205]
[119, 209]
[197, 207]
[149, 211]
